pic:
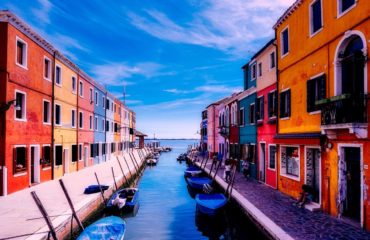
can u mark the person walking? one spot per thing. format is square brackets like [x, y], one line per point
[227, 170]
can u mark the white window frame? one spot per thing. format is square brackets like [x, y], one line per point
[80, 113]
[74, 87]
[306, 147]
[255, 72]
[282, 42]
[96, 99]
[268, 165]
[49, 112]
[259, 69]
[49, 69]
[60, 114]
[82, 152]
[55, 156]
[81, 88]
[97, 123]
[242, 123]
[277, 107]
[272, 67]
[27, 159]
[42, 154]
[73, 121]
[24, 54]
[295, 178]
[339, 6]
[104, 102]
[103, 124]
[311, 18]
[91, 123]
[284, 118]
[91, 92]
[24, 109]
[252, 113]
[61, 77]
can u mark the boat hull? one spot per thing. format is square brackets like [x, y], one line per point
[210, 204]
[198, 182]
[107, 228]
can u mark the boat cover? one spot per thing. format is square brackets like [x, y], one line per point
[108, 228]
[211, 201]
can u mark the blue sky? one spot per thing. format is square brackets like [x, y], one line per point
[174, 57]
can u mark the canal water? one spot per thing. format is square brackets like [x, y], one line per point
[167, 211]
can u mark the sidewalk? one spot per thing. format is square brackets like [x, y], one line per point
[277, 214]
[19, 215]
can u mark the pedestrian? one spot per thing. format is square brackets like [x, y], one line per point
[245, 166]
[227, 170]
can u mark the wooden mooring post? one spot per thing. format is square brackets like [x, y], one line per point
[120, 166]
[74, 214]
[134, 161]
[128, 166]
[217, 168]
[45, 215]
[101, 190]
[114, 179]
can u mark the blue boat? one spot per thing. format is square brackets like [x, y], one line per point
[108, 228]
[124, 199]
[192, 171]
[95, 188]
[210, 203]
[198, 182]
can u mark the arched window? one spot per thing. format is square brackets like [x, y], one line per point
[227, 117]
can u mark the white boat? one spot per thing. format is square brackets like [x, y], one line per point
[151, 161]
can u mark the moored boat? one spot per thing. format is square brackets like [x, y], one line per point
[192, 171]
[151, 161]
[95, 188]
[210, 203]
[107, 228]
[124, 199]
[198, 182]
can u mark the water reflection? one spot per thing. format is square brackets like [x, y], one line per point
[212, 227]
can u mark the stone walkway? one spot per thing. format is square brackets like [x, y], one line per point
[21, 219]
[296, 222]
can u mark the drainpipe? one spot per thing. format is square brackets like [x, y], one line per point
[4, 171]
[277, 107]
[78, 117]
[52, 116]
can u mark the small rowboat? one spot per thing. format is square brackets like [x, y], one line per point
[210, 203]
[151, 161]
[198, 182]
[95, 188]
[124, 199]
[192, 171]
[107, 228]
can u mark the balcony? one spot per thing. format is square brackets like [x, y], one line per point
[344, 112]
[224, 131]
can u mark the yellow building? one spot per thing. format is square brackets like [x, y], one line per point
[66, 91]
[322, 81]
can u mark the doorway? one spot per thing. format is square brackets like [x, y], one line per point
[262, 163]
[35, 165]
[352, 202]
[66, 160]
[313, 172]
[86, 156]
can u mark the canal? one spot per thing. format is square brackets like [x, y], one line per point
[167, 211]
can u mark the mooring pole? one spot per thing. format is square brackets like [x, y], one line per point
[120, 166]
[44, 214]
[101, 190]
[232, 183]
[217, 168]
[127, 166]
[114, 179]
[132, 156]
[74, 214]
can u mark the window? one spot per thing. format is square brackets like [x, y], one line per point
[107, 104]
[284, 42]
[254, 71]
[290, 161]
[111, 128]
[81, 89]
[91, 95]
[96, 98]
[103, 149]
[58, 75]
[315, 16]
[115, 107]
[20, 106]
[260, 108]
[58, 120]
[74, 153]
[58, 155]
[96, 123]
[272, 156]
[272, 104]
[21, 55]
[103, 102]
[46, 111]
[285, 104]
[46, 156]
[272, 60]
[80, 152]
[252, 114]
[103, 125]
[116, 128]
[92, 150]
[74, 84]
[19, 159]
[259, 69]
[47, 68]
[91, 122]
[73, 118]
[81, 122]
[345, 5]
[316, 90]
[241, 113]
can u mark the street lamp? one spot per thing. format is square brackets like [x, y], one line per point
[5, 107]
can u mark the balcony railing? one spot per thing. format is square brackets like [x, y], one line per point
[343, 109]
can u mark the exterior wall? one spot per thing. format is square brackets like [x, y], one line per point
[117, 120]
[125, 131]
[211, 128]
[86, 134]
[65, 135]
[220, 140]
[3, 80]
[268, 74]
[99, 113]
[32, 131]
[110, 119]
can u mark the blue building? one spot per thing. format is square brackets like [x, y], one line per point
[247, 129]
[99, 149]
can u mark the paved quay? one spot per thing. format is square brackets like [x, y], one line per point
[275, 212]
[21, 219]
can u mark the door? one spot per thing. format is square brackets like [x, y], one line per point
[32, 165]
[35, 165]
[352, 204]
[66, 160]
[86, 156]
[262, 163]
[313, 161]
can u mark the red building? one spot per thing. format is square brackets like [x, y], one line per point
[26, 131]
[232, 140]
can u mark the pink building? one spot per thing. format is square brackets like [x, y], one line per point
[219, 112]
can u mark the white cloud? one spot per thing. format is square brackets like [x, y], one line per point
[230, 26]
[206, 89]
[43, 12]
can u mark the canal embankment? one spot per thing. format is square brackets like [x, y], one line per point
[276, 214]
[20, 217]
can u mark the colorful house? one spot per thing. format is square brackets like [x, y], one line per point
[203, 131]
[98, 148]
[232, 138]
[247, 128]
[220, 145]
[25, 106]
[266, 112]
[117, 127]
[125, 129]
[323, 111]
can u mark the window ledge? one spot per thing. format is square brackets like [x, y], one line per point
[341, 14]
[284, 55]
[46, 168]
[315, 112]
[317, 32]
[295, 178]
[20, 174]
[47, 79]
[271, 169]
[58, 85]
[285, 118]
[21, 119]
[22, 66]
[46, 123]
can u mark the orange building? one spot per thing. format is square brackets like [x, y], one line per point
[323, 108]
